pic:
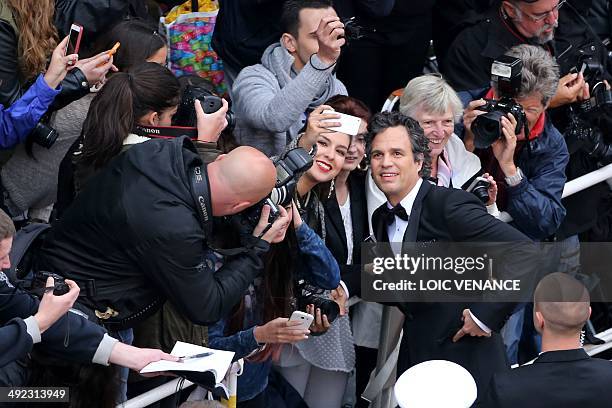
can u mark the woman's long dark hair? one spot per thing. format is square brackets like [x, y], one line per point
[275, 294]
[124, 99]
[139, 42]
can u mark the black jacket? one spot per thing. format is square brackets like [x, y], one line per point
[564, 378]
[135, 231]
[15, 342]
[335, 238]
[244, 29]
[450, 215]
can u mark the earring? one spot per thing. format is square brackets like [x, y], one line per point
[363, 164]
[331, 188]
[582, 335]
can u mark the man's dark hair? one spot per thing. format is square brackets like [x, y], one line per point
[290, 17]
[7, 228]
[420, 145]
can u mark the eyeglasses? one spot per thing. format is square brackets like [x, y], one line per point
[542, 16]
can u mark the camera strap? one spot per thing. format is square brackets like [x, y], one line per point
[165, 132]
[200, 191]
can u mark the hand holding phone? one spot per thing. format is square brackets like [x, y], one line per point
[305, 319]
[348, 124]
[60, 65]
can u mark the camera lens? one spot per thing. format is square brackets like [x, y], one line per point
[480, 190]
[328, 307]
[487, 129]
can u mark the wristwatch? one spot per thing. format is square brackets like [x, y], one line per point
[516, 179]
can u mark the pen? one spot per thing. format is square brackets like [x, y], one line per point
[181, 359]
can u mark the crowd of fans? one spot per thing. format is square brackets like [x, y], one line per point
[215, 233]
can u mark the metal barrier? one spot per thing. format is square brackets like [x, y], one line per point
[174, 386]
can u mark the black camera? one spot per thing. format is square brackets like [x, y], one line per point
[44, 135]
[308, 294]
[289, 168]
[480, 188]
[487, 127]
[352, 29]
[506, 73]
[593, 72]
[186, 114]
[40, 282]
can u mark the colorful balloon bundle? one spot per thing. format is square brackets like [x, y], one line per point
[189, 38]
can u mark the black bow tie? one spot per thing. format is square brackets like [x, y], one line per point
[389, 214]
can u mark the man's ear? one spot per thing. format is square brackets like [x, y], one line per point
[289, 42]
[509, 10]
[419, 161]
[220, 157]
[538, 321]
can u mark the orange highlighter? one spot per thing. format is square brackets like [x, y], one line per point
[112, 51]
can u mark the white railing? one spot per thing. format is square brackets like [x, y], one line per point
[156, 394]
[174, 386]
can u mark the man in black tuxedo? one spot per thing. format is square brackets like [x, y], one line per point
[418, 211]
[563, 375]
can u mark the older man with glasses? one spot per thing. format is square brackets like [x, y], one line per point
[509, 23]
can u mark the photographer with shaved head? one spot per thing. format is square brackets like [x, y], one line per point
[139, 233]
[563, 375]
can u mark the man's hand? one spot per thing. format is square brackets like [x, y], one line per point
[492, 190]
[338, 295]
[469, 328]
[51, 307]
[297, 218]
[503, 148]
[320, 323]
[271, 232]
[280, 330]
[136, 358]
[571, 88]
[330, 35]
[469, 115]
[314, 126]
[210, 125]
[60, 65]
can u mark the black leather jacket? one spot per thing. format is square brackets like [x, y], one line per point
[134, 234]
[12, 85]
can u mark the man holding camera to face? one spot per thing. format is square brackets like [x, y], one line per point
[508, 127]
[578, 109]
[516, 141]
[154, 241]
[272, 99]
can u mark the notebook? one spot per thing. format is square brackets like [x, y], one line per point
[207, 372]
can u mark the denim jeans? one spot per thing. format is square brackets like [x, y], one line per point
[125, 336]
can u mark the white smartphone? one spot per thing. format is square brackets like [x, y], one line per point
[74, 40]
[305, 318]
[348, 124]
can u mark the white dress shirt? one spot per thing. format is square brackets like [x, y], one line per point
[397, 229]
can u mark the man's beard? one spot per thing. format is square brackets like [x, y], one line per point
[542, 38]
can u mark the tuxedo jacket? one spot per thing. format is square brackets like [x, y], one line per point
[335, 238]
[447, 215]
[564, 378]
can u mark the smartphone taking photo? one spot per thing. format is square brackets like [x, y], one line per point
[74, 40]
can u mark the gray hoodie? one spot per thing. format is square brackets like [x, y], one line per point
[271, 99]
